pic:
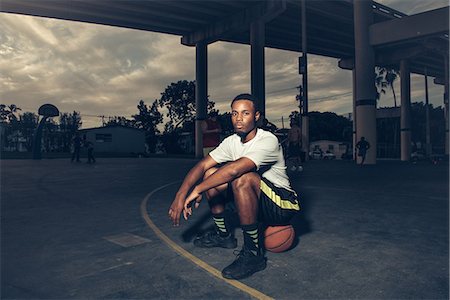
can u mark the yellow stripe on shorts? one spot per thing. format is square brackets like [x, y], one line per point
[285, 204]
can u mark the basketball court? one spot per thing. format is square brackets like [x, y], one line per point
[102, 231]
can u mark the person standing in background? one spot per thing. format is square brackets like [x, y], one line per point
[294, 145]
[76, 143]
[90, 152]
[211, 130]
[362, 147]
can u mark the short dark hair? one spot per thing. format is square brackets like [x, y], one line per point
[248, 97]
[214, 113]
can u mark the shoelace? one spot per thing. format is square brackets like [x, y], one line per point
[244, 253]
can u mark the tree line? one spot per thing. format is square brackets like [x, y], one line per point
[178, 99]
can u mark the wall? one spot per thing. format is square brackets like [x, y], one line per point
[123, 140]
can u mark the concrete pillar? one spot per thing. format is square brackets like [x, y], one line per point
[446, 104]
[305, 136]
[257, 41]
[365, 79]
[201, 94]
[405, 111]
[427, 119]
[354, 114]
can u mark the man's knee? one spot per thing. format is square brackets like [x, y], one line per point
[250, 179]
[209, 172]
[211, 193]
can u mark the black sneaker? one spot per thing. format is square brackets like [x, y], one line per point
[245, 265]
[213, 239]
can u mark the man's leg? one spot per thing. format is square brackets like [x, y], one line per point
[246, 191]
[291, 158]
[222, 236]
[297, 163]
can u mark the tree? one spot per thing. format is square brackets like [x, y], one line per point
[179, 99]
[121, 121]
[384, 78]
[329, 126]
[8, 113]
[68, 125]
[9, 118]
[295, 117]
[148, 120]
[391, 76]
[27, 126]
[380, 83]
[225, 123]
[437, 126]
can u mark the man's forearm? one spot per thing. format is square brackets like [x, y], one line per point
[226, 174]
[191, 178]
[223, 175]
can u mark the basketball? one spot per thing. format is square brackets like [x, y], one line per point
[279, 238]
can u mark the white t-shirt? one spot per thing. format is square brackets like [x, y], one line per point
[264, 150]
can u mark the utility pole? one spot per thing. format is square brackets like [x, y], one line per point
[427, 119]
[303, 88]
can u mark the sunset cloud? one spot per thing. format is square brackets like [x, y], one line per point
[103, 70]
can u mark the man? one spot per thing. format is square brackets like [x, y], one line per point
[362, 147]
[211, 130]
[294, 145]
[253, 171]
[76, 147]
[90, 152]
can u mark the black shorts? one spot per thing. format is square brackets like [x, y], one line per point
[277, 205]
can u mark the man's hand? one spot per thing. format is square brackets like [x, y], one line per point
[175, 210]
[193, 196]
[194, 175]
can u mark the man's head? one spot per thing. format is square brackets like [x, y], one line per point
[244, 114]
[213, 115]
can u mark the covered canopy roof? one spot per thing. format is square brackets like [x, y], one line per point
[329, 25]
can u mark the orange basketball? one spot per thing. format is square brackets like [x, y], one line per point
[279, 238]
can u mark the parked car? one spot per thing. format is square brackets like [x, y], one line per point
[329, 155]
[316, 154]
[417, 155]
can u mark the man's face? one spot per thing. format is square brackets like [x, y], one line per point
[243, 116]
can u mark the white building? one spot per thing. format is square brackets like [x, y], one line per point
[116, 139]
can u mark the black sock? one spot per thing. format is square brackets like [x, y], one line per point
[251, 238]
[220, 224]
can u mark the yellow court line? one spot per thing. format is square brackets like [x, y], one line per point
[213, 271]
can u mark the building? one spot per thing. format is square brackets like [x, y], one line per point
[116, 139]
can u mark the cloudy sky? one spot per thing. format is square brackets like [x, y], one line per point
[102, 70]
